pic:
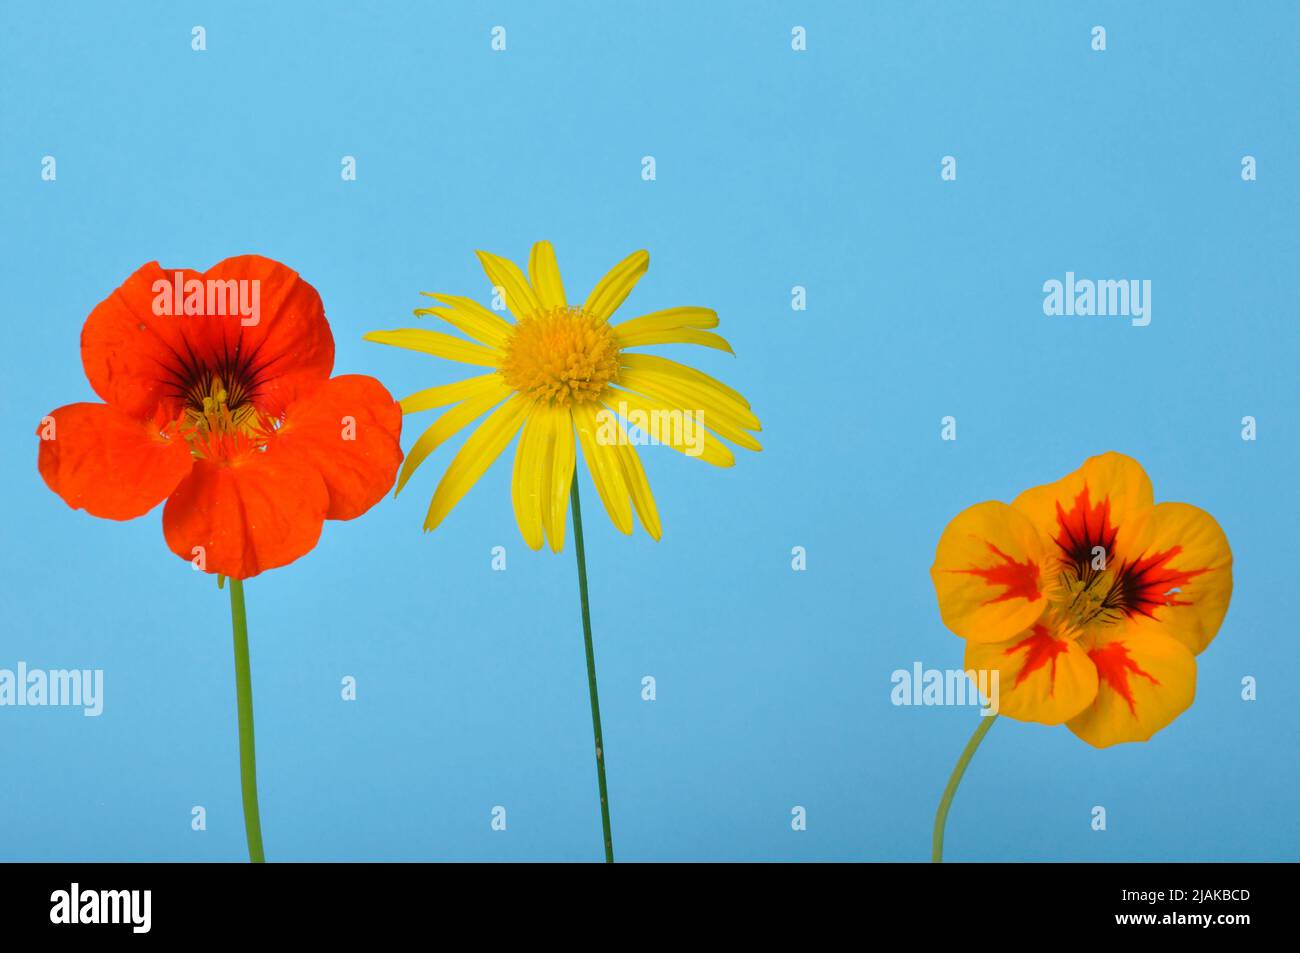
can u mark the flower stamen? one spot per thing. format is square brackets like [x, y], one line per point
[221, 421]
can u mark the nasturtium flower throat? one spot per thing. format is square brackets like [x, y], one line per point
[221, 417]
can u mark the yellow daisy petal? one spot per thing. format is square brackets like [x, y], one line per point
[505, 274]
[722, 417]
[563, 457]
[614, 288]
[679, 336]
[690, 377]
[547, 420]
[668, 320]
[477, 454]
[526, 483]
[709, 449]
[485, 396]
[469, 317]
[446, 394]
[673, 326]
[439, 345]
[544, 273]
[605, 468]
[639, 487]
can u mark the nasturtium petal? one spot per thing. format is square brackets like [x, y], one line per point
[99, 459]
[350, 429]
[1181, 573]
[989, 573]
[1041, 676]
[1146, 679]
[243, 518]
[1092, 510]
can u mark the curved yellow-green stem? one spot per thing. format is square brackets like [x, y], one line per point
[941, 817]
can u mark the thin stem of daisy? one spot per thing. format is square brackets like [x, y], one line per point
[941, 817]
[247, 752]
[591, 667]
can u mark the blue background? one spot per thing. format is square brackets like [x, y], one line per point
[775, 169]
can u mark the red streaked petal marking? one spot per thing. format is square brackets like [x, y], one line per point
[1086, 526]
[1150, 582]
[1044, 678]
[1020, 579]
[1041, 648]
[988, 572]
[1115, 665]
[1138, 586]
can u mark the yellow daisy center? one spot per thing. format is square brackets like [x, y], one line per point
[564, 356]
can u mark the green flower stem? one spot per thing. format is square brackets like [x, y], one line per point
[247, 752]
[941, 817]
[591, 667]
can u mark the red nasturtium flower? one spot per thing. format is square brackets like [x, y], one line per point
[218, 398]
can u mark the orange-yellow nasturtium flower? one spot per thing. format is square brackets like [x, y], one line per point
[1089, 599]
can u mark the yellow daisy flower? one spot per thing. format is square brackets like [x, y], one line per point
[564, 377]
